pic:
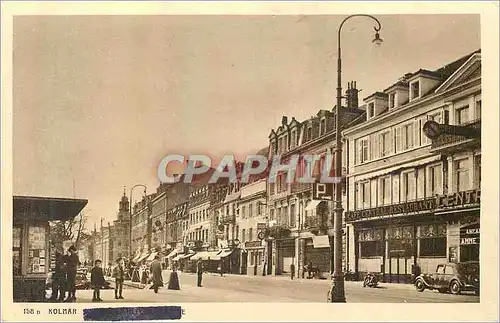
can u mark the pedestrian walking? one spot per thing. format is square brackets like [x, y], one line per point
[119, 276]
[292, 271]
[173, 282]
[199, 271]
[71, 268]
[156, 273]
[59, 276]
[309, 269]
[97, 280]
[221, 267]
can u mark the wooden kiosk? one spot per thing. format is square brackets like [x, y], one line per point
[30, 241]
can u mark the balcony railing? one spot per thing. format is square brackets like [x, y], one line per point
[447, 141]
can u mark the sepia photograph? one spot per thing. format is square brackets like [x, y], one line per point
[164, 159]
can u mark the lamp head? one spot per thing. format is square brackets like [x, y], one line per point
[377, 40]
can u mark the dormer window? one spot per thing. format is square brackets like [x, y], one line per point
[392, 100]
[292, 144]
[322, 127]
[415, 90]
[309, 133]
[285, 143]
[371, 110]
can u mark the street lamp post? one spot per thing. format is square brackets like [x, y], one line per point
[130, 226]
[337, 292]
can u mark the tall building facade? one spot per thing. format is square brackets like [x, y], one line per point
[301, 226]
[414, 202]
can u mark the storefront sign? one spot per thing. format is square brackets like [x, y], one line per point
[470, 235]
[430, 204]
[323, 191]
[253, 244]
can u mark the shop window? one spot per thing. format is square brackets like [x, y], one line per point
[371, 249]
[36, 250]
[16, 251]
[250, 234]
[432, 240]
[371, 243]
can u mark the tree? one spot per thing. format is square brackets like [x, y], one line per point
[73, 230]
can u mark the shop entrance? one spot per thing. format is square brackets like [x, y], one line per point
[469, 242]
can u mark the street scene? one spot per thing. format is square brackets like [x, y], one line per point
[247, 159]
[235, 288]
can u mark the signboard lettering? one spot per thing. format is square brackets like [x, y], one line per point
[323, 191]
[253, 244]
[430, 204]
[468, 241]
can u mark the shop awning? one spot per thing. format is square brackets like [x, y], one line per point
[143, 256]
[206, 255]
[224, 253]
[321, 241]
[187, 255]
[178, 257]
[152, 256]
[53, 209]
[312, 205]
[200, 255]
[173, 253]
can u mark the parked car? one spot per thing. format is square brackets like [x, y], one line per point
[451, 277]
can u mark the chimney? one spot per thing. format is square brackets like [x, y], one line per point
[352, 95]
[284, 120]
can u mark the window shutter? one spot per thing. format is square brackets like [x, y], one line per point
[398, 138]
[376, 146]
[412, 185]
[425, 139]
[416, 133]
[439, 180]
[390, 143]
[359, 151]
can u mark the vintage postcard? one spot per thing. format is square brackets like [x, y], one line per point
[250, 161]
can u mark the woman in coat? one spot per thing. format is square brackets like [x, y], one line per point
[156, 272]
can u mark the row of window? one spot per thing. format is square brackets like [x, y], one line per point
[430, 241]
[251, 209]
[410, 185]
[199, 216]
[200, 235]
[281, 216]
[281, 146]
[408, 135]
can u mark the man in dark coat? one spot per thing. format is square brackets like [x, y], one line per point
[97, 281]
[199, 271]
[119, 276]
[58, 277]
[156, 272]
[71, 268]
[292, 270]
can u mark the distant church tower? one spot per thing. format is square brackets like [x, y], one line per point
[123, 214]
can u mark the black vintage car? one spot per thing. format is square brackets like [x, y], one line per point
[451, 277]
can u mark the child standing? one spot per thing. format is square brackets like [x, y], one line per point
[119, 275]
[97, 280]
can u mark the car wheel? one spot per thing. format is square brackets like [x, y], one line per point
[455, 288]
[419, 285]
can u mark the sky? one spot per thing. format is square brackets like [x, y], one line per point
[100, 100]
